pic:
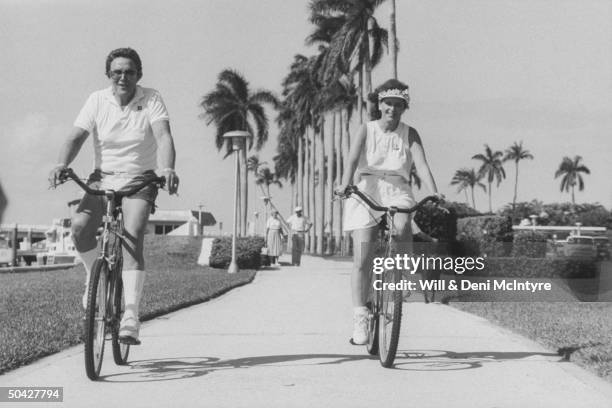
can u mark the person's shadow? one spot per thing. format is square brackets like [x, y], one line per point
[444, 360]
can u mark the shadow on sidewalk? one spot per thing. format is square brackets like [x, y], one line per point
[188, 367]
[443, 360]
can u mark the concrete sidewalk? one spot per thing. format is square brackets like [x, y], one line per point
[282, 341]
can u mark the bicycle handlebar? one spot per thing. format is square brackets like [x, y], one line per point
[376, 207]
[69, 174]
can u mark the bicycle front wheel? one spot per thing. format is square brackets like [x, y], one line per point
[373, 305]
[120, 350]
[95, 319]
[389, 318]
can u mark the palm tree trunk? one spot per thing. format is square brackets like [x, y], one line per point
[368, 69]
[467, 200]
[330, 144]
[393, 42]
[360, 97]
[346, 137]
[490, 205]
[573, 198]
[300, 173]
[346, 146]
[293, 195]
[244, 191]
[515, 188]
[473, 199]
[320, 190]
[313, 209]
[307, 184]
[337, 204]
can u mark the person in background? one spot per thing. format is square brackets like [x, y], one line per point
[274, 238]
[299, 225]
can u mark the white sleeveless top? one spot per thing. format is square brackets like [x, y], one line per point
[385, 154]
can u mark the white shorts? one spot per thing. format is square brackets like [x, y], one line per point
[384, 190]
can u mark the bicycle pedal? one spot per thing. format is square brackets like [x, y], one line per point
[129, 340]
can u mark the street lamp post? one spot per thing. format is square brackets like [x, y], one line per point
[237, 138]
[200, 227]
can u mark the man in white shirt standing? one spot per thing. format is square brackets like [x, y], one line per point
[131, 134]
[300, 225]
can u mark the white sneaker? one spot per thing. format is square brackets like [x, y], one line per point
[360, 327]
[128, 331]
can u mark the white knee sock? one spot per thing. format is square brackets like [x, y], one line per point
[88, 259]
[133, 283]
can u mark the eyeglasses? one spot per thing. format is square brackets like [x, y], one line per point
[116, 74]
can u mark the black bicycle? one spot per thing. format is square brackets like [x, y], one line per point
[385, 305]
[105, 302]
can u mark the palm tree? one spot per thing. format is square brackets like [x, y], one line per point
[302, 92]
[393, 48]
[232, 106]
[517, 153]
[570, 170]
[465, 178]
[491, 167]
[359, 41]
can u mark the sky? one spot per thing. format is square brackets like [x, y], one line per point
[480, 72]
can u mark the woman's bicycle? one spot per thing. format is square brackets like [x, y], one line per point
[105, 303]
[385, 306]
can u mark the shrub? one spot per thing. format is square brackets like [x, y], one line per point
[484, 235]
[437, 223]
[248, 252]
[529, 244]
[592, 215]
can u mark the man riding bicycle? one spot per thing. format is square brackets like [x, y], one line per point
[131, 135]
[381, 158]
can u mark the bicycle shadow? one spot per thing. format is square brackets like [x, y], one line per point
[445, 360]
[189, 367]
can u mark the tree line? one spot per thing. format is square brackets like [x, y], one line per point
[321, 95]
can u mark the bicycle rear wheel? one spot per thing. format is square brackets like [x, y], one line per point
[389, 318]
[95, 319]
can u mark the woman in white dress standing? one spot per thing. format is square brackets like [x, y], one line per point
[274, 238]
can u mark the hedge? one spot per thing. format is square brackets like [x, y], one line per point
[442, 224]
[484, 235]
[530, 244]
[248, 252]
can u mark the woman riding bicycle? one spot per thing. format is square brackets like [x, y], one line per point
[381, 158]
[131, 131]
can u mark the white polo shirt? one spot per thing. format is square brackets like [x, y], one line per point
[298, 224]
[123, 138]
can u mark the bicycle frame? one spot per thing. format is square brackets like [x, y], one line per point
[104, 303]
[386, 308]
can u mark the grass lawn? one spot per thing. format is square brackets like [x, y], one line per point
[580, 331]
[41, 311]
